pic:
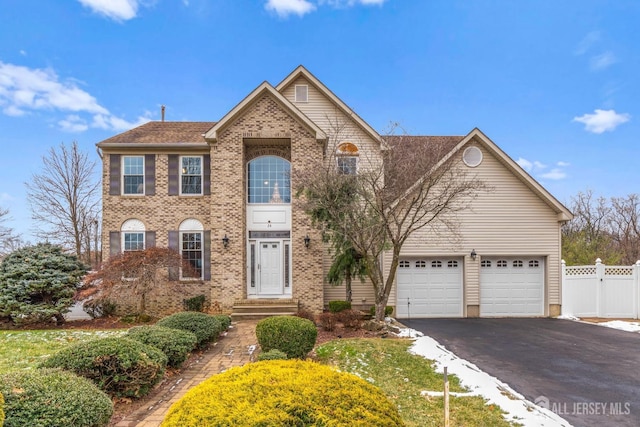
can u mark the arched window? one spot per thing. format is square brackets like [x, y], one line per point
[347, 158]
[191, 246]
[268, 180]
[132, 235]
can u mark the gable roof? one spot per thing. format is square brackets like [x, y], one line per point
[303, 72]
[458, 143]
[160, 133]
[265, 87]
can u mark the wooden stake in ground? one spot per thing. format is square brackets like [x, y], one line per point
[446, 398]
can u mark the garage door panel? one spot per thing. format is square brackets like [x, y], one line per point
[429, 288]
[512, 286]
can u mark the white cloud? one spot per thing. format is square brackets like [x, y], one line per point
[602, 61]
[24, 90]
[588, 42]
[602, 120]
[73, 123]
[539, 169]
[118, 10]
[525, 164]
[285, 8]
[554, 174]
[23, 52]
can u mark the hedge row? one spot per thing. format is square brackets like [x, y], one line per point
[73, 387]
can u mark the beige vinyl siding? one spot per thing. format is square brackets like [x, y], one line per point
[334, 122]
[510, 219]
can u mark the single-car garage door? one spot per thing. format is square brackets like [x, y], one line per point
[429, 287]
[512, 286]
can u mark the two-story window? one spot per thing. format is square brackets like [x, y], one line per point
[191, 175]
[133, 174]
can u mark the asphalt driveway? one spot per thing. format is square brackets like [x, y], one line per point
[588, 374]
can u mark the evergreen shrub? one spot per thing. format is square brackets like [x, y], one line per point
[388, 311]
[284, 393]
[292, 335]
[224, 320]
[273, 354]
[206, 328]
[122, 367]
[338, 306]
[174, 343]
[195, 303]
[52, 397]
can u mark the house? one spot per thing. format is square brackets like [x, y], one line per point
[220, 193]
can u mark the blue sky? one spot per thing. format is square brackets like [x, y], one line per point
[554, 83]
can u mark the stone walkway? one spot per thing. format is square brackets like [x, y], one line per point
[235, 349]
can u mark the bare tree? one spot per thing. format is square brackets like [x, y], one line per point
[6, 233]
[64, 199]
[625, 226]
[589, 235]
[416, 185]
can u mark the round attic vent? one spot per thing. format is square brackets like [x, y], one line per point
[472, 156]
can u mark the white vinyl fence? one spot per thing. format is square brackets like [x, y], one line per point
[601, 291]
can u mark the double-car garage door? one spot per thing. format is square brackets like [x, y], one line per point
[433, 287]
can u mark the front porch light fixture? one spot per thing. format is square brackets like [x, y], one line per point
[225, 241]
[473, 254]
[307, 240]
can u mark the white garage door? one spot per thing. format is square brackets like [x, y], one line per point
[429, 288]
[512, 286]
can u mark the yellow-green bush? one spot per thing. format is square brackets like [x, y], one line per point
[283, 393]
[1, 410]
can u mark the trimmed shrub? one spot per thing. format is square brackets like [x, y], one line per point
[119, 366]
[327, 321]
[338, 306]
[194, 304]
[224, 320]
[174, 343]
[388, 311]
[350, 318]
[283, 393]
[206, 328]
[292, 335]
[99, 308]
[273, 354]
[52, 397]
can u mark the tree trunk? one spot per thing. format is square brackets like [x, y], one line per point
[347, 281]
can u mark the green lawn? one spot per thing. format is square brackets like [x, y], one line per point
[402, 376]
[26, 349]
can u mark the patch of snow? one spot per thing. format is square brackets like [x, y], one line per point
[568, 317]
[622, 325]
[517, 408]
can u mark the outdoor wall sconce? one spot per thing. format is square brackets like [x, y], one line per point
[307, 240]
[225, 241]
[473, 254]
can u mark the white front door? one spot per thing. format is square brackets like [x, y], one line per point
[270, 269]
